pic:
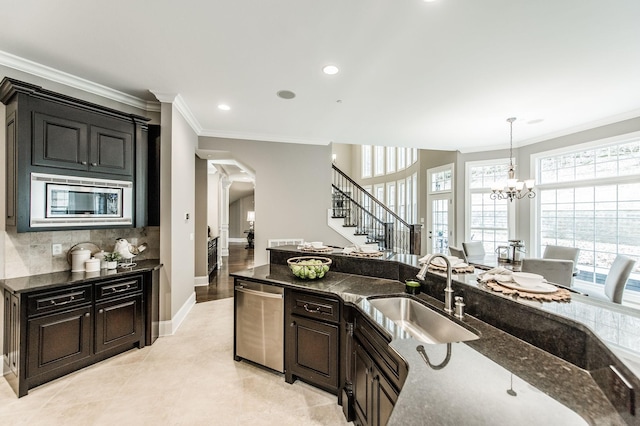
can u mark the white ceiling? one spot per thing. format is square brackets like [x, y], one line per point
[440, 75]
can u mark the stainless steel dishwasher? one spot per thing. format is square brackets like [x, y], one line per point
[259, 324]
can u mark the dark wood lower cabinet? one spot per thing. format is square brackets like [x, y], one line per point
[58, 339]
[377, 373]
[118, 322]
[53, 332]
[373, 395]
[312, 340]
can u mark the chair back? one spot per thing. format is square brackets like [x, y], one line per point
[617, 277]
[473, 248]
[553, 270]
[459, 253]
[562, 253]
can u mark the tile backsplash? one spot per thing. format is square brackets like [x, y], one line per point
[30, 253]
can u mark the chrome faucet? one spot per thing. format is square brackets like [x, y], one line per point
[448, 291]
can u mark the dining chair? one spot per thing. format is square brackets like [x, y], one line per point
[553, 270]
[563, 253]
[473, 248]
[459, 253]
[617, 277]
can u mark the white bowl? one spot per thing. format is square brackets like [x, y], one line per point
[317, 244]
[527, 279]
[369, 248]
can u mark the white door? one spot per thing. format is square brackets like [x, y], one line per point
[440, 221]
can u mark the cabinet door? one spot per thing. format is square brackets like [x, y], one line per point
[111, 151]
[58, 339]
[362, 397]
[119, 322]
[315, 352]
[384, 398]
[59, 142]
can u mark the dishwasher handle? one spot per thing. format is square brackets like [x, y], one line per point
[259, 293]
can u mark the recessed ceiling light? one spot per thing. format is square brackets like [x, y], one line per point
[428, 1]
[286, 94]
[330, 69]
[224, 107]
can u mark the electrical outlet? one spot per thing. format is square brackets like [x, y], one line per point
[56, 249]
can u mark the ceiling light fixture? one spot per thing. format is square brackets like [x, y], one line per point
[330, 69]
[224, 107]
[515, 188]
[286, 94]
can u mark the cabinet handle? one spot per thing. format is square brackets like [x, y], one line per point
[87, 315]
[71, 299]
[121, 289]
[100, 311]
[84, 163]
[313, 311]
[94, 164]
[293, 324]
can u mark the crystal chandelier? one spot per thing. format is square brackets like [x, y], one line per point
[515, 188]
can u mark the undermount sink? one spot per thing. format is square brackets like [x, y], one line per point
[420, 321]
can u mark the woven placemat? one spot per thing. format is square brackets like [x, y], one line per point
[368, 254]
[317, 250]
[561, 295]
[458, 270]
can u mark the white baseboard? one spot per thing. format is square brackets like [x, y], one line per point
[237, 240]
[201, 281]
[169, 327]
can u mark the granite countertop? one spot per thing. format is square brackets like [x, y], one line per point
[56, 279]
[472, 387]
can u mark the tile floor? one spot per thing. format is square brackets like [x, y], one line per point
[189, 378]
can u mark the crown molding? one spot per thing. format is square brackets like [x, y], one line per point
[52, 74]
[262, 137]
[181, 106]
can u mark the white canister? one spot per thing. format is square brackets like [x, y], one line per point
[100, 256]
[78, 258]
[92, 265]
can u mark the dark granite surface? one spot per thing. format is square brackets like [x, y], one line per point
[574, 357]
[471, 389]
[57, 279]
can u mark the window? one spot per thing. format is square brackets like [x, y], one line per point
[487, 220]
[401, 199]
[391, 196]
[379, 160]
[367, 161]
[590, 199]
[402, 157]
[391, 159]
[414, 198]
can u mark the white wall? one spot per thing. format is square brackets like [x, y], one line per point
[213, 206]
[292, 191]
[177, 182]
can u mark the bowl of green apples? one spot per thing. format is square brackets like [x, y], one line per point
[309, 267]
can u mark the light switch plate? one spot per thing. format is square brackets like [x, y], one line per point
[56, 249]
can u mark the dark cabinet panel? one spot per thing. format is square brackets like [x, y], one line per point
[378, 374]
[56, 340]
[11, 338]
[59, 142]
[315, 353]
[313, 340]
[111, 151]
[118, 322]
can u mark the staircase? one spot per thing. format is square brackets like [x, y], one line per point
[363, 219]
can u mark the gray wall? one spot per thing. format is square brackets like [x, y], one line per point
[292, 190]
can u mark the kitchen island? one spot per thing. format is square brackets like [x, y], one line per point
[510, 375]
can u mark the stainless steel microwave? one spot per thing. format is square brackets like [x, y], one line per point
[67, 201]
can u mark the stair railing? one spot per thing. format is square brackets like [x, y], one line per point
[369, 216]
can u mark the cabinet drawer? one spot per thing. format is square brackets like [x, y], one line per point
[377, 346]
[58, 300]
[313, 306]
[118, 288]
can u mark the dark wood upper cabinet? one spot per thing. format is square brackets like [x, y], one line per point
[51, 133]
